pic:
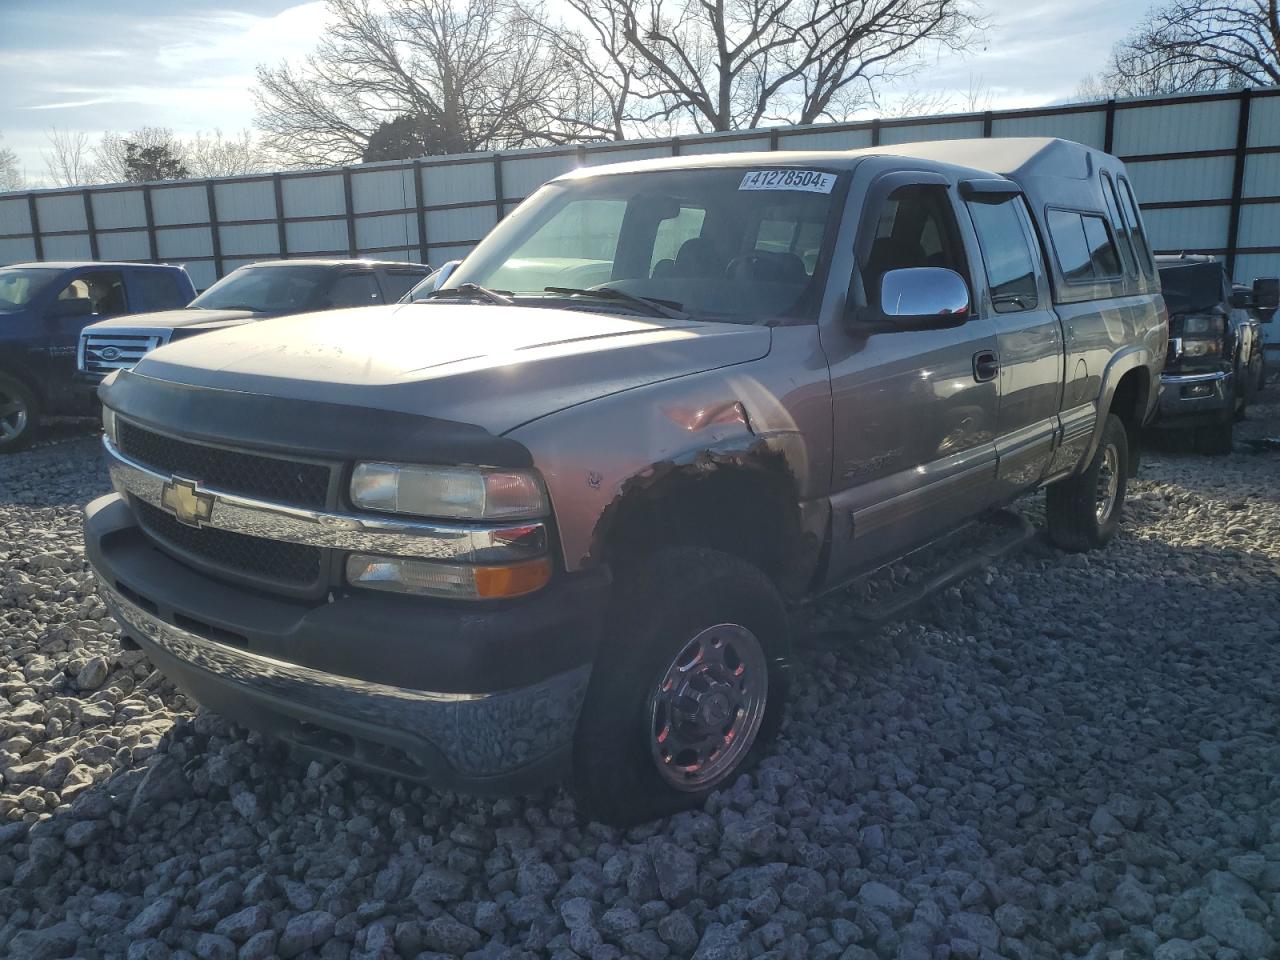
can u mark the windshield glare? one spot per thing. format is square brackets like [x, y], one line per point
[275, 289]
[737, 244]
[19, 286]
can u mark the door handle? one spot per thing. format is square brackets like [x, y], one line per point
[985, 365]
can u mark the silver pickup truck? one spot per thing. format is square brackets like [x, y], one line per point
[548, 523]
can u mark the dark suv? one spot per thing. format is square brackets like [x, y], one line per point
[1215, 360]
[43, 308]
[257, 291]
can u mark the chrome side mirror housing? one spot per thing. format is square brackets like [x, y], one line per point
[916, 295]
[441, 276]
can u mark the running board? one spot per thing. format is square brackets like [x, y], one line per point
[1016, 531]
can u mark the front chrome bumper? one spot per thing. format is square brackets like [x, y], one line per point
[1176, 405]
[363, 533]
[468, 740]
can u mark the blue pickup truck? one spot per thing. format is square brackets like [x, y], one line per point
[43, 308]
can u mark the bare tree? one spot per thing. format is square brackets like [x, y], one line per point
[1191, 45]
[475, 71]
[731, 64]
[69, 159]
[213, 155]
[11, 177]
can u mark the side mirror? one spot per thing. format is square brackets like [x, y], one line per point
[1266, 293]
[441, 276]
[920, 298]
[75, 307]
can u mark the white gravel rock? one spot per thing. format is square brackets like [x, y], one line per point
[1061, 757]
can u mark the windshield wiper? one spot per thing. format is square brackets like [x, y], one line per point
[655, 308]
[472, 291]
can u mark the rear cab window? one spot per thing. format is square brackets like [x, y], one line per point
[1007, 252]
[158, 290]
[1083, 245]
[397, 282]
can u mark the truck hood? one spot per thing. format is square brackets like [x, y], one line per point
[494, 366]
[173, 319]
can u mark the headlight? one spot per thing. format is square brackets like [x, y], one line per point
[109, 423]
[470, 493]
[1202, 326]
[1201, 348]
[450, 580]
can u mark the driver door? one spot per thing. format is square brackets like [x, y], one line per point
[914, 411]
[86, 299]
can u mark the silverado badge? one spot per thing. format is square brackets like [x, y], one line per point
[184, 501]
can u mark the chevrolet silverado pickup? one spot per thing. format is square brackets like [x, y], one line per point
[548, 524]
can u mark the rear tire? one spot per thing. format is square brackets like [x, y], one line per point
[695, 652]
[19, 414]
[1083, 511]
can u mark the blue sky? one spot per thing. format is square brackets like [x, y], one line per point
[96, 65]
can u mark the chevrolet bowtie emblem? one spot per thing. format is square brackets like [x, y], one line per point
[184, 501]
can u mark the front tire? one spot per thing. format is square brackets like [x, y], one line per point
[689, 685]
[1083, 511]
[19, 414]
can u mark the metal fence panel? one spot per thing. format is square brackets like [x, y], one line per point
[1260, 225]
[465, 224]
[848, 139]
[1196, 162]
[314, 197]
[245, 200]
[173, 205]
[1262, 177]
[1089, 128]
[60, 211]
[111, 211]
[184, 243]
[917, 132]
[72, 246]
[523, 175]
[376, 190]
[317, 236]
[128, 245]
[255, 240]
[470, 180]
[1190, 229]
[1191, 178]
[390, 230]
[1168, 128]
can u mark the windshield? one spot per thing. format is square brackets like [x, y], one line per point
[739, 244]
[18, 285]
[274, 289]
[1193, 287]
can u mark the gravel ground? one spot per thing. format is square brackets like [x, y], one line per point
[1065, 756]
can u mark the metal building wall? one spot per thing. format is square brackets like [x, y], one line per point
[1206, 168]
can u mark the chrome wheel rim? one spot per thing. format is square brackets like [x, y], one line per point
[1108, 484]
[706, 710]
[13, 416]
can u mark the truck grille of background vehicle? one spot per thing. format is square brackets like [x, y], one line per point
[104, 352]
[233, 471]
[287, 563]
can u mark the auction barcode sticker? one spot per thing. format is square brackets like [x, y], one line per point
[811, 181]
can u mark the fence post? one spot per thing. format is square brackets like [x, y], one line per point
[35, 226]
[152, 247]
[1237, 180]
[986, 123]
[497, 184]
[350, 212]
[215, 236]
[89, 225]
[875, 132]
[421, 212]
[1109, 129]
[282, 239]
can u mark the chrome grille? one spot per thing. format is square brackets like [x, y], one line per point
[269, 478]
[116, 349]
